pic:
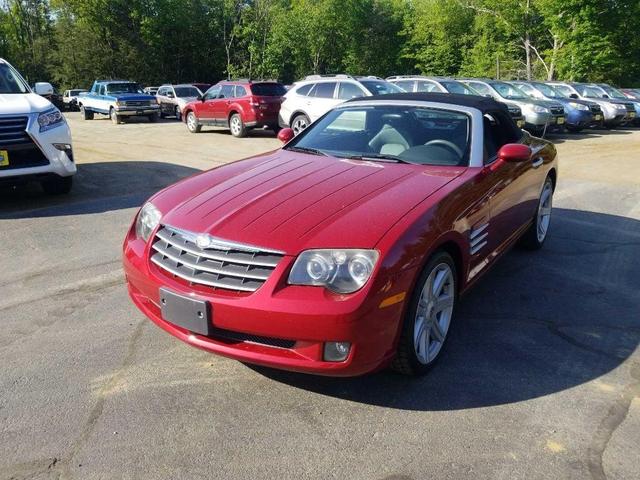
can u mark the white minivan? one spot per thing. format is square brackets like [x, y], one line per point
[35, 140]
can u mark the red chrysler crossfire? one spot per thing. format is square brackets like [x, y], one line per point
[346, 250]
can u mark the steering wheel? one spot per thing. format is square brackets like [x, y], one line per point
[446, 144]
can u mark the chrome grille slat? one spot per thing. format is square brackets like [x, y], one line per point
[242, 258]
[13, 131]
[175, 252]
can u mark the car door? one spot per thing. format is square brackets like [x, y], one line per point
[348, 90]
[220, 106]
[161, 98]
[205, 109]
[322, 98]
[516, 184]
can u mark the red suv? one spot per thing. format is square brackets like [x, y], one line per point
[237, 105]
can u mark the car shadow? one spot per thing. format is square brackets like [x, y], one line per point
[585, 134]
[537, 324]
[97, 188]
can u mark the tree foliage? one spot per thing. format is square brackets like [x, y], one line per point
[72, 42]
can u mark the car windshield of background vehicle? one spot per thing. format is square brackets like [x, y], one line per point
[114, 88]
[548, 91]
[508, 91]
[378, 87]
[457, 87]
[187, 92]
[563, 90]
[268, 89]
[613, 93]
[593, 92]
[390, 133]
[10, 81]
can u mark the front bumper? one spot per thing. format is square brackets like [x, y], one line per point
[581, 118]
[306, 316]
[134, 111]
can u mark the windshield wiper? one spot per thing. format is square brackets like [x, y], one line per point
[378, 157]
[312, 151]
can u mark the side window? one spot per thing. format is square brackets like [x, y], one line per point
[103, 90]
[427, 87]
[163, 91]
[406, 85]
[347, 91]
[498, 131]
[212, 93]
[304, 89]
[324, 90]
[227, 91]
[483, 89]
[527, 89]
[240, 91]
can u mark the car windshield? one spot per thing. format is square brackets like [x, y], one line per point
[10, 81]
[268, 89]
[508, 91]
[593, 92]
[390, 133]
[380, 87]
[187, 92]
[563, 90]
[457, 87]
[547, 91]
[76, 92]
[614, 93]
[124, 87]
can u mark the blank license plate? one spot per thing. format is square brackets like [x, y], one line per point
[4, 158]
[560, 120]
[598, 117]
[186, 312]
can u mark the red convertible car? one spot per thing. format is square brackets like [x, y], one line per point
[346, 250]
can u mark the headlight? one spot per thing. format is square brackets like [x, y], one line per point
[50, 119]
[578, 106]
[539, 109]
[147, 221]
[342, 271]
[121, 103]
[620, 106]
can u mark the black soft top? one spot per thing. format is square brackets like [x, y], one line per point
[484, 104]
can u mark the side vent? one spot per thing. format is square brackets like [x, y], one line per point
[478, 238]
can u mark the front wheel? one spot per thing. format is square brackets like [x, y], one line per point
[86, 114]
[299, 123]
[237, 126]
[192, 123]
[534, 237]
[115, 118]
[428, 318]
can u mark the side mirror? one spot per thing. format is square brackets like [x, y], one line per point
[170, 95]
[285, 135]
[43, 88]
[573, 95]
[514, 152]
[605, 96]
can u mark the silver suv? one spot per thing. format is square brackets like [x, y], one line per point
[419, 83]
[539, 115]
[309, 99]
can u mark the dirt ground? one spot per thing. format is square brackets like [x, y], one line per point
[541, 379]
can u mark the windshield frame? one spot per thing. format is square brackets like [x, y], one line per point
[375, 93]
[475, 145]
[140, 90]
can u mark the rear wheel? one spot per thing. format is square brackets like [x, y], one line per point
[237, 126]
[57, 185]
[86, 114]
[428, 319]
[534, 237]
[192, 123]
[299, 123]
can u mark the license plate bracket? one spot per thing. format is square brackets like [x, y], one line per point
[186, 312]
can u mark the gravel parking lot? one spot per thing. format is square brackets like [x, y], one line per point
[541, 379]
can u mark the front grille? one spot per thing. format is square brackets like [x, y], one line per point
[515, 112]
[596, 109]
[235, 337]
[24, 156]
[13, 131]
[224, 265]
[629, 107]
[137, 103]
[557, 110]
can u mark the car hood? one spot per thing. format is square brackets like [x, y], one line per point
[182, 101]
[290, 201]
[22, 103]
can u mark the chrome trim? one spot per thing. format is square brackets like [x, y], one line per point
[537, 163]
[221, 244]
[477, 248]
[477, 239]
[475, 231]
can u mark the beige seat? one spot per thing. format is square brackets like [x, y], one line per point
[389, 141]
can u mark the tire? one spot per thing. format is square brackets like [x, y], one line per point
[86, 114]
[162, 115]
[154, 117]
[299, 123]
[57, 185]
[536, 234]
[115, 118]
[236, 125]
[178, 114]
[192, 123]
[429, 317]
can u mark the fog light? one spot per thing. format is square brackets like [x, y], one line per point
[336, 351]
[66, 148]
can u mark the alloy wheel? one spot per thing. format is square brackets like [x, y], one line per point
[544, 211]
[434, 312]
[299, 124]
[236, 125]
[191, 122]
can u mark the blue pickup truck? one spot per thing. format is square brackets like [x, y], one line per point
[118, 99]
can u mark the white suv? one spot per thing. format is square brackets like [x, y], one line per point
[309, 99]
[35, 141]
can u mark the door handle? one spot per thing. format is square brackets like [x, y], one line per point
[537, 162]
